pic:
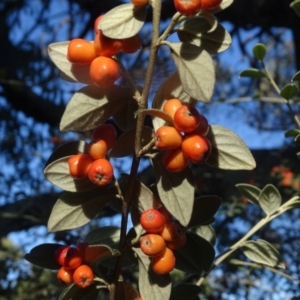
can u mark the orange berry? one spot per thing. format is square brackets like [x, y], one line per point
[105, 46]
[131, 44]
[175, 160]
[208, 5]
[172, 231]
[152, 221]
[83, 276]
[171, 106]
[164, 262]
[196, 148]
[68, 257]
[188, 7]
[65, 275]
[152, 244]
[79, 165]
[186, 118]
[106, 132]
[203, 127]
[139, 2]
[101, 172]
[96, 23]
[97, 149]
[81, 51]
[104, 71]
[167, 137]
[178, 243]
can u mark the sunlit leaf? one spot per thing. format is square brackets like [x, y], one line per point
[292, 203]
[207, 232]
[250, 192]
[228, 150]
[123, 21]
[269, 199]
[185, 291]
[259, 51]
[262, 252]
[74, 292]
[253, 73]
[91, 106]
[176, 190]
[289, 91]
[196, 70]
[152, 286]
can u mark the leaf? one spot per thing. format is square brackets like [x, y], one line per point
[170, 89]
[296, 77]
[292, 133]
[295, 5]
[198, 31]
[91, 106]
[224, 4]
[157, 113]
[207, 232]
[229, 152]
[262, 252]
[259, 51]
[123, 21]
[74, 292]
[250, 192]
[292, 203]
[196, 256]
[43, 256]
[96, 253]
[124, 145]
[269, 199]
[108, 235]
[204, 209]
[126, 291]
[176, 190]
[70, 72]
[253, 73]
[65, 216]
[196, 70]
[185, 291]
[289, 91]
[58, 173]
[152, 286]
[67, 149]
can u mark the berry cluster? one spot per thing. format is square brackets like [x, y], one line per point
[185, 141]
[192, 7]
[73, 267]
[163, 236]
[94, 165]
[104, 70]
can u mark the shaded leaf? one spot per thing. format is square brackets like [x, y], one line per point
[74, 292]
[157, 113]
[250, 192]
[204, 209]
[152, 286]
[69, 72]
[58, 173]
[259, 51]
[289, 91]
[126, 291]
[97, 253]
[198, 31]
[185, 291]
[228, 150]
[295, 5]
[123, 21]
[91, 106]
[222, 6]
[108, 235]
[296, 77]
[269, 199]
[253, 73]
[262, 252]
[43, 256]
[176, 190]
[207, 232]
[196, 256]
[196, 70]
[292, 133]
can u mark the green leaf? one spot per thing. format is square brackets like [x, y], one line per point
[176, 190]
[292, 203]
[123, 21]
[74, 292]
[185, 291]
[152, 286]
[229, 152]
[296, 77]
[67, 149]
[170, 89]
[289, 91]
[253, 73]
[124, 145]
[259, 51]
[198, 31]
[91, 106]
[295, 5]
[43, 256]
[250, 192]
[58, 173]
[262, 252]
[196, 256]
[204, 209]
[269, 199]
[65, 216]
[292, 133]
[196, 70]
[207, 232]
[70, 72]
